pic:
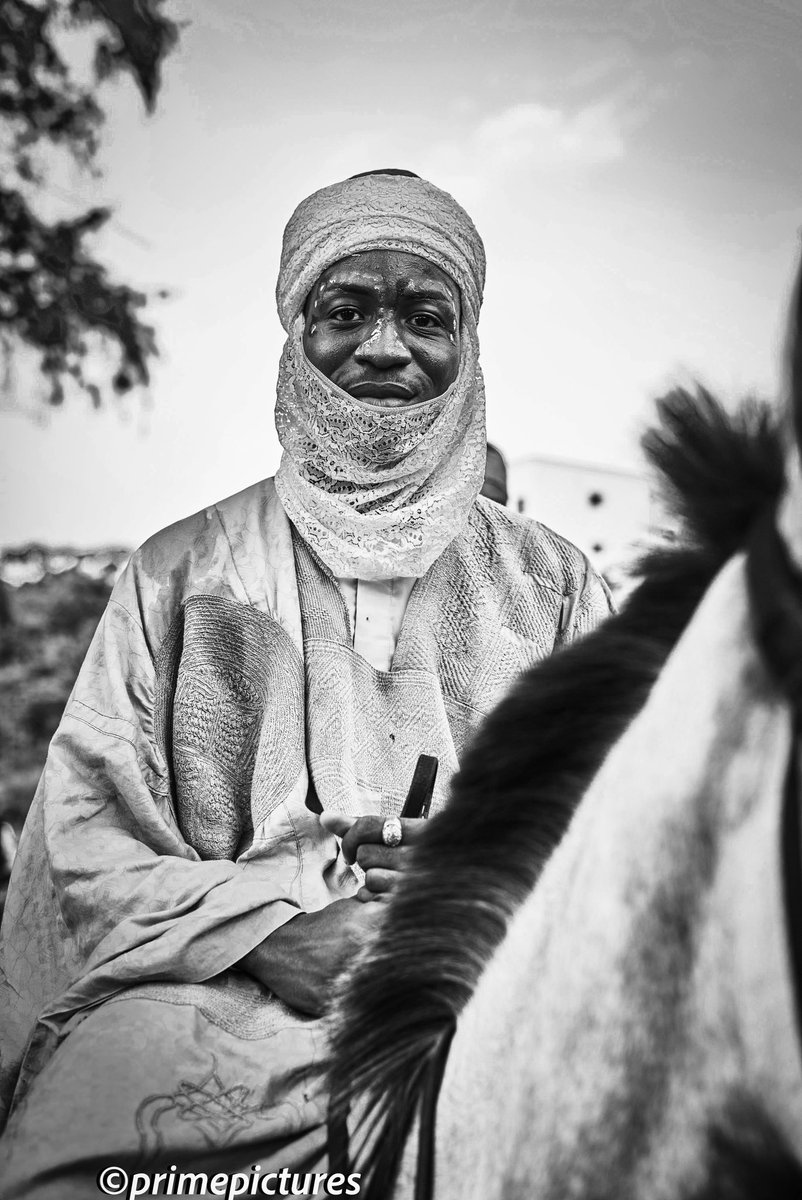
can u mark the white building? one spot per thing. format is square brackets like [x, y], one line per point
[608, 512]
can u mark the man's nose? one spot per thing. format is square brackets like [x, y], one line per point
[383, 347]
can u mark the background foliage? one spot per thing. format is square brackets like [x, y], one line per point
[57, 301]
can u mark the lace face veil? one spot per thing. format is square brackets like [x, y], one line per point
[378, 492]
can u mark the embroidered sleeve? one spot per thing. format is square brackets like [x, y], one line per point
[103, 856]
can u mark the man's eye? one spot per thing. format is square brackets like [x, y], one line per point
[346, 314]
[426, 320]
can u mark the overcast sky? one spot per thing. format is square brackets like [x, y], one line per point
[634, 167]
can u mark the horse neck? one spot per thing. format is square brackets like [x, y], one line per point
[593, 1047]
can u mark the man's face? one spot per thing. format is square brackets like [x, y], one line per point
[384, 326]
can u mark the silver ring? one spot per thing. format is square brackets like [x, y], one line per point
[392, 832]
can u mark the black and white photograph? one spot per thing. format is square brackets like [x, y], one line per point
[401, 599]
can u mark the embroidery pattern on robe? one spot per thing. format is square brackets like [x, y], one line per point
[220, 672]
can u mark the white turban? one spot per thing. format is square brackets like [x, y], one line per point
[378, 492]
[378, 212]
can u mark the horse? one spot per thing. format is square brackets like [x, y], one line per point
[588, 983]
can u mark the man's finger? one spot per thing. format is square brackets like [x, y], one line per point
[369, 830]
[364, 829]
[380, 881]
[337, 823]
[370, 855]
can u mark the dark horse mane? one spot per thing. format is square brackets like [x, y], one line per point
[515, 793]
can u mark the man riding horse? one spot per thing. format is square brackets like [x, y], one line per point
[179, 909]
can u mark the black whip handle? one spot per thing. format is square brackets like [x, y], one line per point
[419, 796]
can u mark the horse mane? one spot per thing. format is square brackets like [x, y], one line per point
[515, 793]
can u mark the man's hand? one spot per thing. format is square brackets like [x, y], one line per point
[300, 960]
[362, 843]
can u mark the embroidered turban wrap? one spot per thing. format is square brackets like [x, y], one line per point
[378, 492]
